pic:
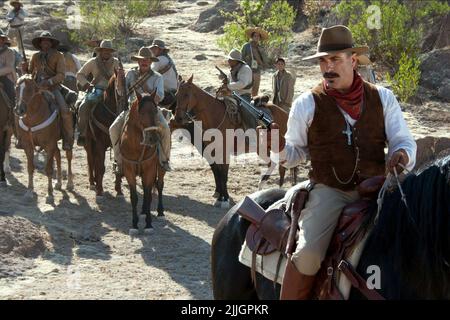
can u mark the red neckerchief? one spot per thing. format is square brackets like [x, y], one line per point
[350, 101]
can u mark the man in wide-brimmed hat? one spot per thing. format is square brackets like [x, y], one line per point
[364, 68]
[100, 69]
[343, 126]
[166, 67]
[142, 79]
[16, 20]
[8, 74]
[48, 68]
[283, 83]
[255, 55]
[72, 66]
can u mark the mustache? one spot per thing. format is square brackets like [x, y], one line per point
[330, 75]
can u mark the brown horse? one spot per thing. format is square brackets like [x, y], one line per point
[39, 125]
[212, 113]
[98, 140]
[139, 155]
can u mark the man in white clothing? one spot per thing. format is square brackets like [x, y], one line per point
[16, 20]
[166, 67]
[342, 126]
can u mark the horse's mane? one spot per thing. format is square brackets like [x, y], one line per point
[415, 244]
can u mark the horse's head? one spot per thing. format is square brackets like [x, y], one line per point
[145, 113]
[186, 101]
[26, 89]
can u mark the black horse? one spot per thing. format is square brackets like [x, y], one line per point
[410, 246]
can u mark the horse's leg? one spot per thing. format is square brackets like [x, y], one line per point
[6, 164]
[146, 208]
[118, 185]
[134, 200]
[58, 184]
[2, 158]
[99, 169]
[265, 177]
[224, 198]
[69, 156]
[29, 152]
[216, 180]
[50, 154]
[91, 163]
[295, 176]
[160, 187]
[282, 172]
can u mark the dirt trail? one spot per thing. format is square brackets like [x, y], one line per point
[91, 255]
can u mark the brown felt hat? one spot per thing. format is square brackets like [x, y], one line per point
[105, 45]
[45, 35]
[144, 53]
[12, 3]
[336, 39]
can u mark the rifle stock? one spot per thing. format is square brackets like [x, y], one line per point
[224, 75]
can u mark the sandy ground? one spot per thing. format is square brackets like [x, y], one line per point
[89, 253]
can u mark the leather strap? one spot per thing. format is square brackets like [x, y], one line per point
[358, 282]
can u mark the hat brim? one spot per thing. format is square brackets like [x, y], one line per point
[263, 33]
[137, 58]
[98, 49]
[231, 58]
[36, 42]
[357, 50]
[364, 60]
[93, 43]
[155, 46]
[16, 2]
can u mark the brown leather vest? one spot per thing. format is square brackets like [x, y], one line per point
[334, 162]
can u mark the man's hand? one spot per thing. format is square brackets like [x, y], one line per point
[398, 157]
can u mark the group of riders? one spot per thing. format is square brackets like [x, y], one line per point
[342, 125]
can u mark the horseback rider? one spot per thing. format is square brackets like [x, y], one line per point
[343, 126]
[283, 83]
[48, 69]
[8, 74]
[255, 55]
[16, 20]
[101, 68]
[148, 81]
[72, 66]
[166, 67]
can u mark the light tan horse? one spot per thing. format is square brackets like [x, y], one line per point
[39, 125]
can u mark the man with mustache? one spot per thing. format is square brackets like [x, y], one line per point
[342, 126]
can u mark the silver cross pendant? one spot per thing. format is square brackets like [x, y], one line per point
[349, 133]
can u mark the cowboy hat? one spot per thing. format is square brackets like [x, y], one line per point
[45, 35]
[144, 53]
[263, 33]
[336, 39]
[105, 45]
[235, 55]
[12, 3]
[363, 59]
[159, 44]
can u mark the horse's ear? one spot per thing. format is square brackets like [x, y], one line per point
[138, 95]
[190, 79]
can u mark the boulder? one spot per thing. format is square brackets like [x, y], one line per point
[211, 19]
[435, 74]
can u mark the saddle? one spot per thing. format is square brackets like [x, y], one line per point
[276, 230]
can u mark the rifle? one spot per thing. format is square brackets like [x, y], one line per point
[224, 75]
[122, 101]
[24, 56]
[260, 115]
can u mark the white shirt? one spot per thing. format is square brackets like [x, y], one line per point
[244, 77]
[16, 20]
[170, 77]
[302, 113]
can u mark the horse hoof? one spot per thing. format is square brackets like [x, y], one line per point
[92, 187]
[148, 231]
[161, 215]
[70, 186]
[133, 232]
[58, 186]
[216, 195]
